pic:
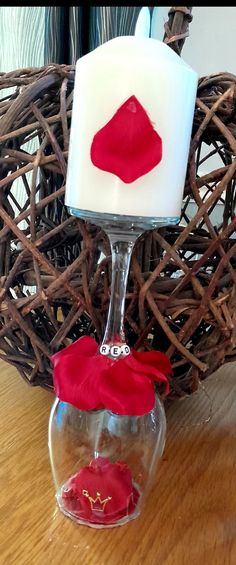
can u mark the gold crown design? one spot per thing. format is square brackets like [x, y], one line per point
[96, 503]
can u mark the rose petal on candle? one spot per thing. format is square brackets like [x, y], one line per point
[128, 145]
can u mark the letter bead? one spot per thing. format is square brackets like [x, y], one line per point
[125, 349]
[104, 349]
[115, 350]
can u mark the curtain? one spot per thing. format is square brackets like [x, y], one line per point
[74, 31]
[32, 36]
[22, 32]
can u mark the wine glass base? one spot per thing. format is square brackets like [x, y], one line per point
[117, 222]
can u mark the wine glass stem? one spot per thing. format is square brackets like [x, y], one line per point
[121, 255]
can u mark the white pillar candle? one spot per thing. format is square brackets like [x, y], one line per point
[165, 87]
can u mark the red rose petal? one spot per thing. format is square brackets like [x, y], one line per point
[155, 359]
[89, 381]
[128, 145]
[147, 369]
[85, 345]
[125, 391]
[101, 492]
[76, 380]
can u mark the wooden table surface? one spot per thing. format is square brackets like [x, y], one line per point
[190, 514]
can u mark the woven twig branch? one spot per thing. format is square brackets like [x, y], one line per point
[181, 294]
[177, 27]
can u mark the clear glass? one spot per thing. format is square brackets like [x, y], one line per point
[103, 463]
[123, 222]
[123, 231]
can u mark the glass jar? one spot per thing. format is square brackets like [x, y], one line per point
[103, 463]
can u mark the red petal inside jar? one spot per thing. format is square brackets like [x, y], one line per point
[101, 492]
[128, 145]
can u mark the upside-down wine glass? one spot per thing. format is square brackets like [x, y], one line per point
[130, 133]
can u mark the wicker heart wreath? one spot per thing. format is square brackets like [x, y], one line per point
[55, 269]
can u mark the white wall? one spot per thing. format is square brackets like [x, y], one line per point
[210, 47]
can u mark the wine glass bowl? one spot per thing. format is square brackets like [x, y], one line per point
[126, 445]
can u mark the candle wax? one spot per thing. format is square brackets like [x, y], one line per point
[165, 87]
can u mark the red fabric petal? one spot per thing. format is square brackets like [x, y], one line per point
[101, 492]
[147, 369]
[85, 345]
[128, 145]
[125, 391]
[89, 381]
[76, 380]
[156, 359]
